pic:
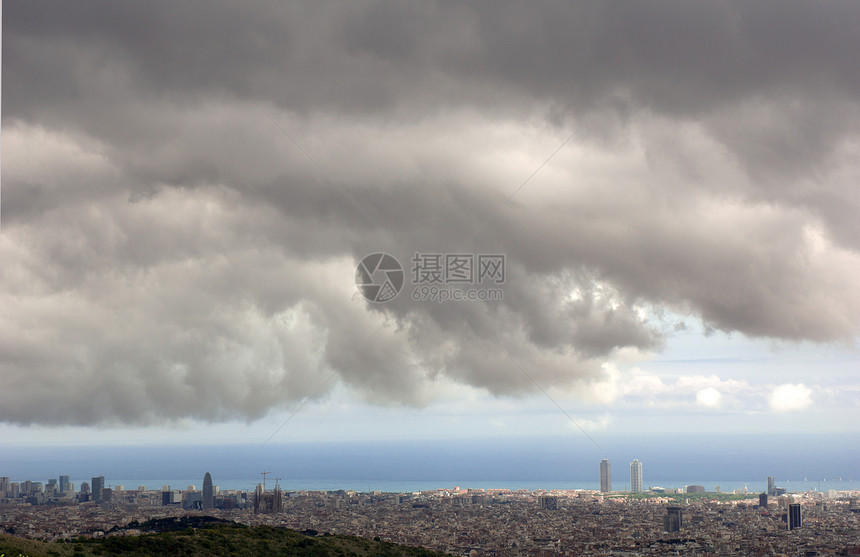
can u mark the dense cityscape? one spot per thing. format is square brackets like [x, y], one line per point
[463, 521]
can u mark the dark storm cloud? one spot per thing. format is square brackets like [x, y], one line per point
[170, 252]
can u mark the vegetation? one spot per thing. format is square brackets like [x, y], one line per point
[213, 538]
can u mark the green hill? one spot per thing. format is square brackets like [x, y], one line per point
[213, 539]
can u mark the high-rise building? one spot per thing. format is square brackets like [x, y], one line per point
[605, 476]
[772, 490]
[636, 476]
[762, 500]
[96, 487]
[64, 484]
[548, 502]
[208, 492]
[793, 516]
[673, 521]
[4, 485]
[695, 489]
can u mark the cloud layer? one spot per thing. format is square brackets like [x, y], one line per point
[188, 189]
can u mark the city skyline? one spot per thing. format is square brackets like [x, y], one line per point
[99, 490]
[457, 520]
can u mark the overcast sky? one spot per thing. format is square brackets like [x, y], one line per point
[188, 188]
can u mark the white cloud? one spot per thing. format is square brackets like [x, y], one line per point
[788, 397]
[709, 398]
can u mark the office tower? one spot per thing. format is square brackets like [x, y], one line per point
[96, 487]
[605, 476]
[762, 500]
[64, 484]
[4, 485]
[770, 485]
[695, 489]
[208, 492]
[636, 476]
[673, 521]
[793, 516]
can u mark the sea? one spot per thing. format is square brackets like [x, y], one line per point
[798, 463]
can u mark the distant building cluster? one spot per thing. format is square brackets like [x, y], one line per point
[96, 492]
[772, 489]
[473, 522]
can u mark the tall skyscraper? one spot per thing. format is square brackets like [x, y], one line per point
[605, 476]
[762, 500]
[793, 516]
[64, 484]
[97, 487]
[770, 485]
[636, 476]
[208, 492]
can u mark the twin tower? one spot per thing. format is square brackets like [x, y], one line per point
[606, 476]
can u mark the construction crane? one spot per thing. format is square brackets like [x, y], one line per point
[264, 473]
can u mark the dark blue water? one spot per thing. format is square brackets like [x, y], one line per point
[549, 463]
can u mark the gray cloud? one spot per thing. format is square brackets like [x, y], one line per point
[169, 252]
